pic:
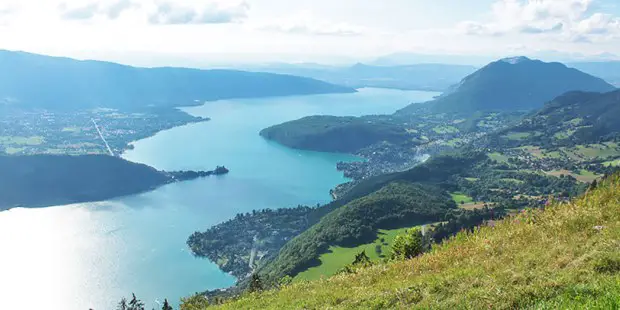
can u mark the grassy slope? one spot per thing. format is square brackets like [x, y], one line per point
[539, 259]
[338, 257]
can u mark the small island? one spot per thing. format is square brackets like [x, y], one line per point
[190, 175]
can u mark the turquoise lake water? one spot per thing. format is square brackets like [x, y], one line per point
[92, 254]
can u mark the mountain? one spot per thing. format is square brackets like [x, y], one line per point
[513, 84]
[572, 119]
[432, 77]
[48, 180]
[607, 70]
[409, 58]
[30, 80]
[562, 256]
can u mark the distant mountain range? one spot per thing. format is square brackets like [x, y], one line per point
[432, 77]
[513, 84]
[607, 70]
[29, 80]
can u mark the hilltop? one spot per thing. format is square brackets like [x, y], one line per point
[512, 84]
[562, 256]
[335, 134]
[63, 83]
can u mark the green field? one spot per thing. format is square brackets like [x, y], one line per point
[500, 158]
[72, 129]
[597, 150]
[472, 179]
[575, 121]
[16, 140]
[518, 135]
[512, 181]
[615, 163]
[338, 257]
[454, 142]
[14, 150]
[445, 129]
[562, 135]
[460, 197]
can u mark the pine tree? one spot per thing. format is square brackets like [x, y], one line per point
[135, 304]
[256, 284]
[362, 260]
[166, 305]
[122, 305]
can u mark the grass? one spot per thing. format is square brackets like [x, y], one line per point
[460, 197]
[338, 257]
[575, 121]
[512, 181]
[445, 129]
[518, 136]
[16, 140]
[564, 257]
[454, 142]
[583, 176]
[614, 163]
[498, 157]
[596, 150]
[13, 150]
[472, 179]
[72, 129]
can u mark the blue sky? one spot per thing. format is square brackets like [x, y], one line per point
[207, 32]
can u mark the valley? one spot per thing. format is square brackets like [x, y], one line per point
[490, 163]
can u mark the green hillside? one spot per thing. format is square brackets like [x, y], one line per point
[563, 257]
[573, 118]
[398, 204]
[335, 134]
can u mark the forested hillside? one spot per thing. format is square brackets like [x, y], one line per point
[513, 84]
[63, 83]
[563, 256]
[397, 204]
[574, 118]
[47, 180]
[335, 134]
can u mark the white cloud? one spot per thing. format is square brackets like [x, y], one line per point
[559, 20]
[165, 12]
[208, 12]
[110, 9]
[305, 23]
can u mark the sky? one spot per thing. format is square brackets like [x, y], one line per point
[210, 32]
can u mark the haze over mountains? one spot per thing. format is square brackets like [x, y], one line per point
[513, 84]
[419, 76]
[63, 83]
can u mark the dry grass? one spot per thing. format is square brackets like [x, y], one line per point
[567, 257]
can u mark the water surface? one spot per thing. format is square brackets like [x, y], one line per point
[92, 254]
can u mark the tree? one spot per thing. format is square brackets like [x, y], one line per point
[408, 245]
[256, 284]
[122, 305]
[593, 185]
[361, 259]
[135, 304]
[166, 305]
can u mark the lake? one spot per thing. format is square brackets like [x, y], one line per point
[92, 254]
